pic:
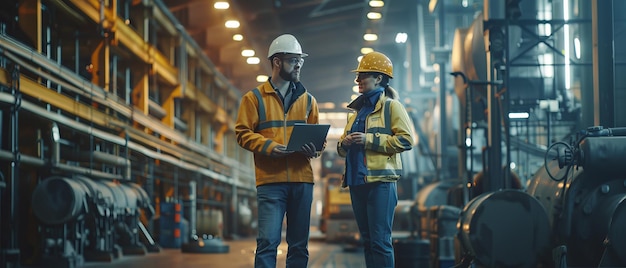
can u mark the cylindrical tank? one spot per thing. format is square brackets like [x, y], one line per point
[210, 222]
[506, 228]
[433, 194]
[585, 209]
[57, 200]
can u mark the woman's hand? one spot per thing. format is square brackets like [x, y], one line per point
[353, 138]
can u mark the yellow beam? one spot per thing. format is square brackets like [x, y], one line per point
[46, 95]
[140, 94]
[135, 43]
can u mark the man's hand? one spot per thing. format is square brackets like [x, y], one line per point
[309, 150]
[280, 151]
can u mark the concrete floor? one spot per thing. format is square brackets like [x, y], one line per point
[241, 255]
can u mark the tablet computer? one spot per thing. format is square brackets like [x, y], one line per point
[305, 133]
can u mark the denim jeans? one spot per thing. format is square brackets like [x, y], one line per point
[274, 201]
[374, 205]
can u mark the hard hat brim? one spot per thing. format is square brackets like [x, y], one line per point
[301, 54]
[370, 71]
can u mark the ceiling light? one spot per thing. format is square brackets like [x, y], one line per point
[365, 50]
[359, 58]
[355, 89]
[237, 37]
[247, 53]
[370, 37]
[261, 78]
[232, 24]
[221, 5]
[377, 3]
[374, 15]
[253, 60]
[401, 38]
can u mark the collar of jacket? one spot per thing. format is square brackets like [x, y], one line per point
[358, 103]
[267, 88]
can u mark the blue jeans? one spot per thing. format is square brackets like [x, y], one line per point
[374, 205]
[274, 201]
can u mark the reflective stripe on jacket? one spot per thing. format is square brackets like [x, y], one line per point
[262, 124]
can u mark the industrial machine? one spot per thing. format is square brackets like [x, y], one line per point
[94, 219]
[571, 214]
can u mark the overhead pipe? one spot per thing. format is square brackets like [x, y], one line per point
[78, 85]
[55, 156]
[37, 162]
[8, 98]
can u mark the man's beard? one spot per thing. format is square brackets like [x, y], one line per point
[293, 76]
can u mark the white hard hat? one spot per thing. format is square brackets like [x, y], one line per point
[285, 43]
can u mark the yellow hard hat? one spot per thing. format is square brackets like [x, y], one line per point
[375, 62]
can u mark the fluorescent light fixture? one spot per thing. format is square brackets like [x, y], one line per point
[370, 37]
[365, 50]
[247, 53]
[374, 15]
[253, 60]
[377, 3]
[522, 115]
[221, 5]
[401, 38]
[237, 37]
[232, 24]
[261, 78]
[577, 47]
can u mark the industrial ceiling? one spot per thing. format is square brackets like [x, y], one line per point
[330, 31]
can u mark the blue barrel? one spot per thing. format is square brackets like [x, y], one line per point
[170, 222]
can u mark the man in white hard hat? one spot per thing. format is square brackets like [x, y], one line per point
[284, 179]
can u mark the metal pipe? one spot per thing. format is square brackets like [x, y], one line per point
[35, 161]
[8, 98]
[98, 156]
[55, 151]
[82, 86]
[192, 209]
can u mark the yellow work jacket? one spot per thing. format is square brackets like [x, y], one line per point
[388, 132]
[262, 124]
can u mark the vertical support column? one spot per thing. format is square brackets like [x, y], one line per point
[442, 56]
[235, 202]
[9, 248]
[494, 35]
[193, 229]
[603, 63]
[149, 187]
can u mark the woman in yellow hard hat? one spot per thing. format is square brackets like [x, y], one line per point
[372, 141]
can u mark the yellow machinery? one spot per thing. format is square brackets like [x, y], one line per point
[337, 221]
